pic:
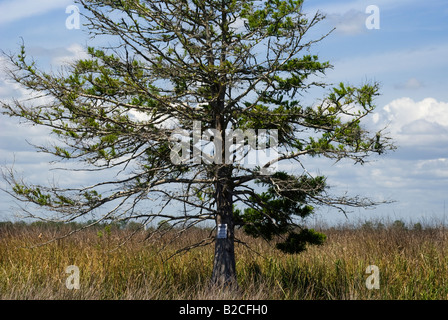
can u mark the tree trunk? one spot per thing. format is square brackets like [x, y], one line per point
[224, 267]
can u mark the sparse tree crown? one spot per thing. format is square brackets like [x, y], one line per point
[228, 64]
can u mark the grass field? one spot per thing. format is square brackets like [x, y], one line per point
[412, 264]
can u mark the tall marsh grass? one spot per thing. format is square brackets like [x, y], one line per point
[412, 264]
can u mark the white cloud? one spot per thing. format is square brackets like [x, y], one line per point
[417, 186]
[415, 176]
[412, 121]
[9, 88]
[72, 53]
[13, 10]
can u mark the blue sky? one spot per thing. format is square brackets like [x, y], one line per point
[407, 56]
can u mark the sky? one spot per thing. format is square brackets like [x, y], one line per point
[403, 45]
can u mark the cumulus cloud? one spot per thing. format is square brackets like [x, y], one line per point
[419, 129]
[72, 53]
[415, 176]
[412, 121]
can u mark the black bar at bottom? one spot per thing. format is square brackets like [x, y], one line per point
[211, 309]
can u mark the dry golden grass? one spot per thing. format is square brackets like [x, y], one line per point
[412, 263]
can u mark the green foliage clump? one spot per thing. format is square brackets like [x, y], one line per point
[274, 211]
[296, 242]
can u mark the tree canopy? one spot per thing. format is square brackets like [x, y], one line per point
[187, 73]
